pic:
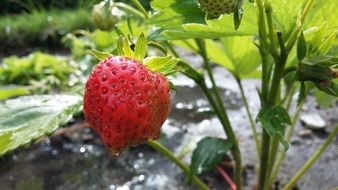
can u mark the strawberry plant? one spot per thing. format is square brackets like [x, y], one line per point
[291, 46]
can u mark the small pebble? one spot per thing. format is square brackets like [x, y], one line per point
[305, 133]
[313, 121]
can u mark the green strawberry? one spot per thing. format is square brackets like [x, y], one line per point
[216, 8]
[105, 15]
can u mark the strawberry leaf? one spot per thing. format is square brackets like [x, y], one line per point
[141, 47]
[100, 55]
[274, 120]
[12, 90]
[24, 119]
[208, 154]
[165, 65]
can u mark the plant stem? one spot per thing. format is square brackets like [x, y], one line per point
[130, 9]
[288, 137]
[288, 97]
[312, 159]
[158, 46]
[223, 116]
[225, 123]
[141, 8]
[171, 48]
[300, 22]
[261, 23]
[264, 159]
[163, 150]
[272, 158]
[227, 178]
[273, 47]
[252, 123]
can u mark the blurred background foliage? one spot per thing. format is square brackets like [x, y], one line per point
[31, 24]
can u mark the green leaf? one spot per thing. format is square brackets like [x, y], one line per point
[274, 120]
[324, 100]
[100, 55]
[209, 152]
[24, 119]
[184, 20]
[171, 14]
[321, 40]
[12, 90]
[141, 47]
[301, 47]
[324, 60]
[329, 87]
[164, 65]
[237, 54]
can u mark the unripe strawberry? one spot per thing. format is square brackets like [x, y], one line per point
[106, 16]
[125, 102]
[216, 8]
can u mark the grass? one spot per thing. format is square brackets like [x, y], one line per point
[41, 27]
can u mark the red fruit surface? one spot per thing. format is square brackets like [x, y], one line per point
[125, 102]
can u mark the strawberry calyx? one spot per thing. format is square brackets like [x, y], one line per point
[165, 65]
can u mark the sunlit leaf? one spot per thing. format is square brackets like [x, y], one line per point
[184, 20]
[237, 54]
[24, 119]
[171, 14]
[12, 90]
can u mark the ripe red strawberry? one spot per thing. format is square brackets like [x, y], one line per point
[125, 102]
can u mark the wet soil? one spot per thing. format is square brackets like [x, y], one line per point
[74, 158]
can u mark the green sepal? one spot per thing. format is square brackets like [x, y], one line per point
[123, 47]
[172, 86]
[100, 55]
[127, 51]
[141, 47]
[329, 87]
[165, 65]
[314, 73]
[301, 47]
[238, 14]
[119, 47]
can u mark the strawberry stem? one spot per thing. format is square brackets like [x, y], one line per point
[227, 178]
[170, 155]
